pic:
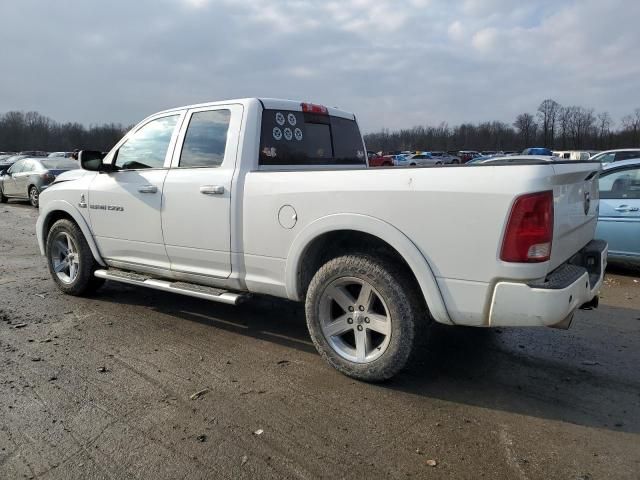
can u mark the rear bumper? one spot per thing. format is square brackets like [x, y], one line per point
[553, 300]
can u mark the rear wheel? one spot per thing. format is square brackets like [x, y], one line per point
[34, 196]
[70, 260]
[363, 315]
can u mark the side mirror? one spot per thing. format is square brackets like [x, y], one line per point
[91, 160]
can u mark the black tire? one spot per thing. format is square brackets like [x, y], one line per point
[34, 196]
[85, 282]
[405, 309]
[3, 199]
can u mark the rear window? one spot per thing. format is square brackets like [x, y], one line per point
[59, 164]
[298, 138]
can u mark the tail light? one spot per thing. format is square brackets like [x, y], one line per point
[313, 108]
[48, 177]
[530, 229]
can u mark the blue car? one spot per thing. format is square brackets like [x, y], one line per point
[538, 151]
[619, 215]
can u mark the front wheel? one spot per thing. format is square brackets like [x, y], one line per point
[3, 199]
[70, 260]
[363, 315]
[34, 196]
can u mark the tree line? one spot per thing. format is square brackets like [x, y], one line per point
[553, 126]
[33, 131]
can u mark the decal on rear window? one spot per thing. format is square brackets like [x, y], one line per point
[317, 139]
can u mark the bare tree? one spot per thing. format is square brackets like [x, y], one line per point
[526, 125]
[631, 126]
[548, 113]
[605, 123]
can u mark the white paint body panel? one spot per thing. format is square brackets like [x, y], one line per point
[447, 223]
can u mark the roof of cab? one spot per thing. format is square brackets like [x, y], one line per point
[267, 103]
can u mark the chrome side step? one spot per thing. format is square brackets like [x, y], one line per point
[183, 288]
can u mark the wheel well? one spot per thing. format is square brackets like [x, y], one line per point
[52, 218]
[343, 242]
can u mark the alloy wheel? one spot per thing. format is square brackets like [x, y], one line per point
[355, 320]
[65, 258]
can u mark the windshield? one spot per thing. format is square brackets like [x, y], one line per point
[299, 138]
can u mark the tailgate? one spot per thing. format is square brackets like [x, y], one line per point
[575, 192]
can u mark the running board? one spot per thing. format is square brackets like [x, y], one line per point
[182, 288]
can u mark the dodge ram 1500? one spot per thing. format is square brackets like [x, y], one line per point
[275, 197]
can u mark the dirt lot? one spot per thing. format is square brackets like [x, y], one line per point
[100, 388]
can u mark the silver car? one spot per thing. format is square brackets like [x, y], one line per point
[26, 178]
[619, 213]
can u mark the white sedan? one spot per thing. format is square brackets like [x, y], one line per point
[420, 159]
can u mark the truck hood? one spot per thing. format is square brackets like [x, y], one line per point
[71, 175]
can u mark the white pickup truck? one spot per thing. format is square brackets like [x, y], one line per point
[264, 196]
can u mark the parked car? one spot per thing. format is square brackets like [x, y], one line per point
[34, 153]
[381, 161]
[445, 157]
[542, 151]
[619, 215]
[573, 154]
[609, 156]
[28, 177]
[466, 155]
[5, 163]
[60, 154]
[421, 159]
[186, 203]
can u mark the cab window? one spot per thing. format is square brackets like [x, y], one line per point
[301, 138]
[621, 184]
[206, 139]
[147, 147]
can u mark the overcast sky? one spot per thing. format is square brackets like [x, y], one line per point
[395, 63]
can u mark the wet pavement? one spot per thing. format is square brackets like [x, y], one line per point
[101, 387]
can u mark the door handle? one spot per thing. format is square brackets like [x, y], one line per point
[212, 189]
[626, 208]
[148, 189]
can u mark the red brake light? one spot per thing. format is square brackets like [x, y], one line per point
[530, 229]
[313, 108]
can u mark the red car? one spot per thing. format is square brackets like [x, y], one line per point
[376, 160]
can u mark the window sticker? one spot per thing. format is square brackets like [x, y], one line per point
[292, 119]
[280, 118]
[288, 134]
[270, 152]
[277, 133]
[298, 134]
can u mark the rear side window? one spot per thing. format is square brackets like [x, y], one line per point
[206, 139]
[621, 184]
[627, 155]
[299, 138]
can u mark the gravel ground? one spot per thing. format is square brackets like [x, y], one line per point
[102, 387]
